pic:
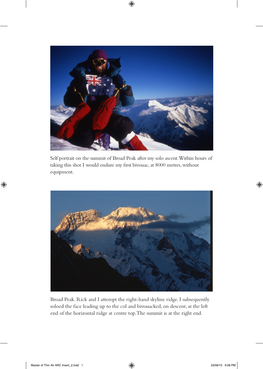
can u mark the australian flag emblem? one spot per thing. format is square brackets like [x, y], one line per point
[99, 85]
[93, 80]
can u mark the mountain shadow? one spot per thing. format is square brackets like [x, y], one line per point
[73, 272]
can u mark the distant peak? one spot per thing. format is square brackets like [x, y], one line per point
[130, 211]
[74, 220]
[133, 216]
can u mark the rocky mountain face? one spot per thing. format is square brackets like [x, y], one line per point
[139, 243]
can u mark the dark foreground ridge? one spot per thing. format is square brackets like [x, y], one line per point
[72, 272]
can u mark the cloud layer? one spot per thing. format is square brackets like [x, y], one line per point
[184, 226]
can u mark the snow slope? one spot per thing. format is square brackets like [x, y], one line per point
[184, 123]
[60, 113]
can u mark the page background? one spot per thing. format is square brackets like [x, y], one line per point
[229, 330]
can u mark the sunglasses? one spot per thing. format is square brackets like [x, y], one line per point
[99, 62]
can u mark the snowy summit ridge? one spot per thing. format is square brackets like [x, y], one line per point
[119, 218]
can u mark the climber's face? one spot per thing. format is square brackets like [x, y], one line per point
[100, 65]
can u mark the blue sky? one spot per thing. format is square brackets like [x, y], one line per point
[152, 71]
[191, 208]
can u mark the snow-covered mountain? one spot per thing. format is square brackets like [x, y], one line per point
[139, 243]
[184, 123]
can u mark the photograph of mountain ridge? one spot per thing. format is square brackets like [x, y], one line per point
[132, 248]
